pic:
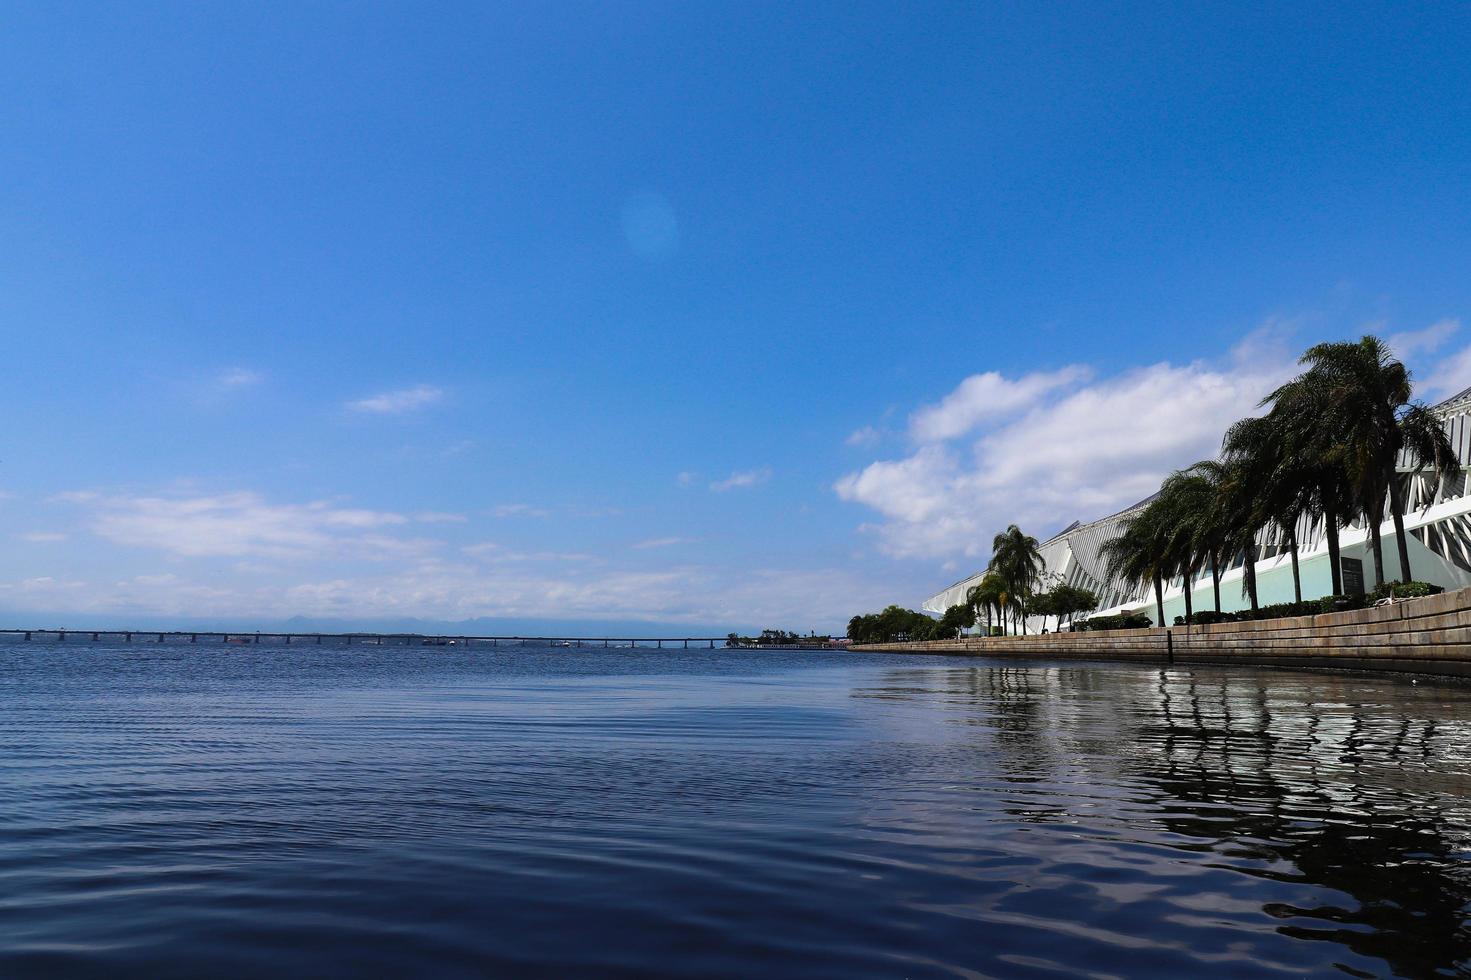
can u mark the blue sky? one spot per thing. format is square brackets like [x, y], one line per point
[746, 315]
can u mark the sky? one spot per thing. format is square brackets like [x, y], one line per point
[718, 315]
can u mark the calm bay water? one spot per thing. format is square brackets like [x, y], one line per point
[233, 811]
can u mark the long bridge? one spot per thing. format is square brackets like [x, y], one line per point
[349, 639]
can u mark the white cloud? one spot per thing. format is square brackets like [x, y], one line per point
[663, 543]
[687, 478]
[397, 402]
[491, 551]
[1079, 454]
[245, 524]
[1450, 376]
[866, 436]
[243, 555]
[239, 377]
[519, 510]
[1410, 343]
[984, 397]
[801, 600]
[743, 478]
[74, 497]
[439, 517]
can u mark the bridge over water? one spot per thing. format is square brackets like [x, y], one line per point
[350, 639]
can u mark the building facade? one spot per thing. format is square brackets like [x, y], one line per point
[1437, 529]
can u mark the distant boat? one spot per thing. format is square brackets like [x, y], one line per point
[562, 643]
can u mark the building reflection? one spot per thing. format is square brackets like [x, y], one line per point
[1358, 787]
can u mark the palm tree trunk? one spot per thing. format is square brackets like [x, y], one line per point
[1296, 574]
[1159, 599]
[1330, 528]
[1216, 578]
[1396, 509]
[1189, 587]
[1249, 571]
[1377, 546]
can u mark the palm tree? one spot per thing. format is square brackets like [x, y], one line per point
[1427, 444]
[1189, 499]
[1262, 447]
[1366, 392]
[1314, 457]
[1234, 519]
[1195, 503]
[986, 595]
[1141, 551]
[1017, 561]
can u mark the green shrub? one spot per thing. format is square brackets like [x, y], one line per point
[1134, 622]
[1340, 603]
[996, 631]
[1279, 609]
[1406, 590]
[1399, 590]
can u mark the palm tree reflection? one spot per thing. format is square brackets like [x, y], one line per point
[1358, 788]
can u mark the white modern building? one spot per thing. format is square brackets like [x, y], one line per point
[1438, 529]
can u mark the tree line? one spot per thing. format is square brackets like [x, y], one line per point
[897, 624]
[1324, 455]
[776, 638]
[1014, 587]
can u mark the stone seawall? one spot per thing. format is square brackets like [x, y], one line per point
[1425, 636]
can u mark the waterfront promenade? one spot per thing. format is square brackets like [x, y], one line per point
[1423, 636]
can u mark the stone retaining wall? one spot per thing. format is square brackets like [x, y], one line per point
[1426, 636]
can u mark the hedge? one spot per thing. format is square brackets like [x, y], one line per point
[1138, 621]
[1311, 607]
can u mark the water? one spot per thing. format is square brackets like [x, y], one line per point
[212, 811]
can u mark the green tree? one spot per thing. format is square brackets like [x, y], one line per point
[988, 596]
[1235, 517]
[1069, 600]
[894, 624]
[1201, 537]
[1141, 551]
[957, 618]
[1042, 604]
[1016, 559]
[1314, 458]
[1280, 476]
[1366, 393]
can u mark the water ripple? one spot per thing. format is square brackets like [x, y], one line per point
[385, 812]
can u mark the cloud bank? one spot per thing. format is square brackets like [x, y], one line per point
[1045, 448]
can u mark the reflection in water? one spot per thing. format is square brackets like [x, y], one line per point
[1357, 791]
[185, 812]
